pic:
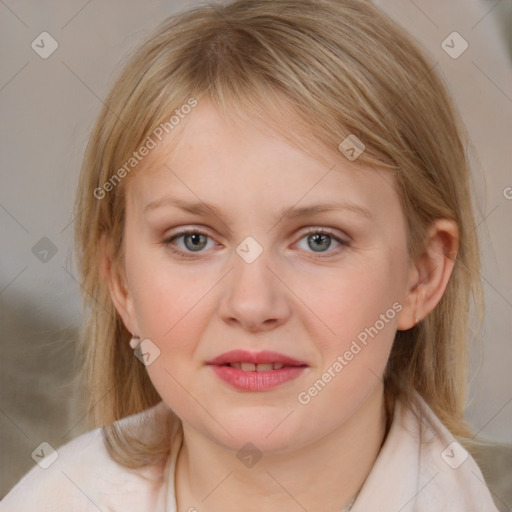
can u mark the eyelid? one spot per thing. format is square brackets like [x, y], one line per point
[335, 233]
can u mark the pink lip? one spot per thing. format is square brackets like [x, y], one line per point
[256, 381]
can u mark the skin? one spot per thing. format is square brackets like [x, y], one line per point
[290, 300]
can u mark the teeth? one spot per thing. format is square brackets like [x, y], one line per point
[264, 367]
[251, 367]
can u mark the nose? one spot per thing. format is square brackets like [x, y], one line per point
[255, 298]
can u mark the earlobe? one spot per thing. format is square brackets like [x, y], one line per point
[431, 273]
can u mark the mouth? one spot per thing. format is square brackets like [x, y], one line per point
[256, 371]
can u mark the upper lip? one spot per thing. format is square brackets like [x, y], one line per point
[266, 356]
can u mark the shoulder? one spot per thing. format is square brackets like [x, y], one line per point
[421, 468]
[82, 476]
[451, 477]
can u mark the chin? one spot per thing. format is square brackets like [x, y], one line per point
[263, 428]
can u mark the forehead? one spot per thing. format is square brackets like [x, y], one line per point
[242, 160]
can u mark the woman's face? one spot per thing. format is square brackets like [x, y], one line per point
[257, 280]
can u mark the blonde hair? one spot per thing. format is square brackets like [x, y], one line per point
[339, 67]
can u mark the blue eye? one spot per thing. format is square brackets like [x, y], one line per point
[322, 240]
[194, 241]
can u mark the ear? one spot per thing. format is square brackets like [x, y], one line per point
[430, 273]
[115, 278]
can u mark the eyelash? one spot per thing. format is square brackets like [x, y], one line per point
[320, 231]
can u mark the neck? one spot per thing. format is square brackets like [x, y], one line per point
[324, 475]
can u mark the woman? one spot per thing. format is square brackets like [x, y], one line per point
[278, 250]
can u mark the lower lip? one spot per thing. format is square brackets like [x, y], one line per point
[257, 381]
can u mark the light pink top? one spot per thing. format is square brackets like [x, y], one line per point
[407, 476]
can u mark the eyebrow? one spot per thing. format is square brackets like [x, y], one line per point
[292, 212]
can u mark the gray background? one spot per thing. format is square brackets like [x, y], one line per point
[48, 107]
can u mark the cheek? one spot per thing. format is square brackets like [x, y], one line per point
[172, 310]
[354, 299]
[361, 307]
[164, 294]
